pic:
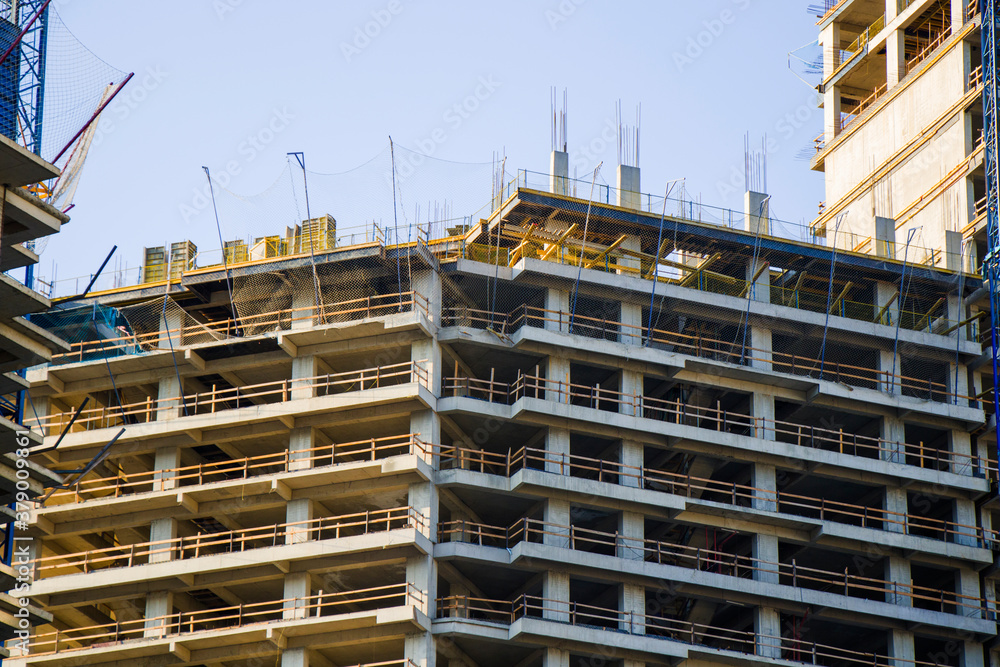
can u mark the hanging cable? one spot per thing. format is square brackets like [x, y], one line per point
[829, 295]
[395, 222]
[170, 341]
[583, 247]
[300, 157]
[225, 259]
[903, 290]
[496, 272]
[656, 260]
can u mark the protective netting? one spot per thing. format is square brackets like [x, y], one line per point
[433, 199]
[76, 82]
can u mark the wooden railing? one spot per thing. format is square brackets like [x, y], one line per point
[716, 419]
[709, 560]
[210, 544]
[324, 604]
[125, 484]
[730, 493]
[602, 618]
[702, 346]
[377, 305]
[209, 402]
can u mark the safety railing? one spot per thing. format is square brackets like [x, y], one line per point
[127, 484]
[847, 117]
[730, 493]
[929, 48]
[709, 560]
[597, 618]
[377, 305]
[217, 400]
[208, 620]
[210, 544]
[705, 347]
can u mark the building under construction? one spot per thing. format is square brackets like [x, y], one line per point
[590, 427]
[24, 218]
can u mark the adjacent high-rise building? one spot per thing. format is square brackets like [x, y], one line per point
[902, 144]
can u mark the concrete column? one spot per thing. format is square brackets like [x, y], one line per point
[831, 114]
[631, 387]
[756, 213]
[632, 330]
[296, 512]
[557, 451]
[885, 246]
[304, 369]
[301, 442]
[893, 434]
[159, 606]
[38, 408]
[427, 284]
[168, 399]
[767, 625]
[555, 657]
[295, 657]
[764, 479]
[428, 353]
[555, 592]
[421, 570]
[163, 530]
[763, 414]
[557, 371]
[901, 646]
[556, 310]
[426, 425]
[165, 461]
[964, 514]
[298, 587]
[895, 56]
[559, 173]
[419, 648]
[632, 603]
[829, 39]
[961, 447]
[958, 14]
[990, 595]
[891, 10]
[897, 506]
[629, 187]
[897, 573]
[633, 462]
[972, 655]
[632, 529]
[967, 583]
[557, 520]
[630, 265]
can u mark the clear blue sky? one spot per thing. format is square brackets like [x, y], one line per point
[705, 73]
